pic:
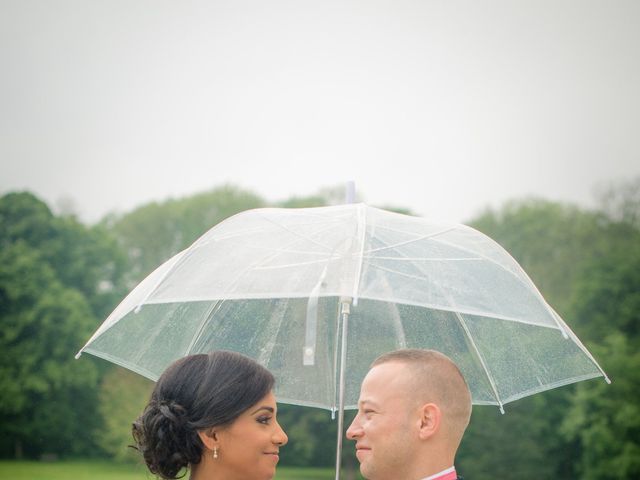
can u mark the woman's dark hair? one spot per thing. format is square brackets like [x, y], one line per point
[196, 393]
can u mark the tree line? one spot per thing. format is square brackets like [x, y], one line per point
[59, 278]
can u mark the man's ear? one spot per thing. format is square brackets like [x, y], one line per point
[430, 416]
[209, 438]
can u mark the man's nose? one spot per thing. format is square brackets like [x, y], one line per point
[354, 430]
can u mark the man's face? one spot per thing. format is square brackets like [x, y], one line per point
[386, 427]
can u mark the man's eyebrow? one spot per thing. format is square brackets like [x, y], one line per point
[366, 401]
[267, 408]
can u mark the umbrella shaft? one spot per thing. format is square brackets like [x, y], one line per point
[343, 356]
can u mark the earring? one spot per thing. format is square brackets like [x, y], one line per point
[215, 452]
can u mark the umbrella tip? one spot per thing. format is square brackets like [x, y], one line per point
[607, 379]
[78, 355]
[350, 192]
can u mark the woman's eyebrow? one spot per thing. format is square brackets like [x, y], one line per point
[269, 409]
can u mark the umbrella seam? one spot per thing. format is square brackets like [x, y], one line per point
[362, 226]
[135, 368]
[296, 234]
[527, 280]
[551, 386]
[492, 382]
[406, 242]
[467, 312]
[185, 253]
[365, 297]
[578, 342]
[210, 311]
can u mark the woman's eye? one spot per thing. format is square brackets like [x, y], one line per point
[264, 420]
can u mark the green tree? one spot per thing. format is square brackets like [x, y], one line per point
[57, 277]
[554, 243]
[85, 258]
[46, 396]
[123, 395]
[551, 241]
[605, 419]
[620, 201]
[153, 233]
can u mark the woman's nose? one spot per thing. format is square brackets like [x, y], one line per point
[280, 437]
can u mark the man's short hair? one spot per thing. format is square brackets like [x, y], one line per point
[437, 380]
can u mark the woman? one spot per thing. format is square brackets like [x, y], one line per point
[214, 414]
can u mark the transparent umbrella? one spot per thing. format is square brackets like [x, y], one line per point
[316, 294]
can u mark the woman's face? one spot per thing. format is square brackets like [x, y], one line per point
[248, 448]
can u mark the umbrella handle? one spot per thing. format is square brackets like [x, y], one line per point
[345, 310]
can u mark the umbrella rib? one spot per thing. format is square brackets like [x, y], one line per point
[468, 312]
[433, 235]
[463, 227]
[484, 257]
[289, 265]
[406, 242]
[227, 236]
[230, 235]
[118, 361]
[285, 250]
[362, 230]
[426, 259]
[482, 362]
[258, 263]
[556, 384]
[490, 260]
[390, 270]
[214, 306]
[185, 253]
[296, 234]
[468, 334]
[403, 232]
[566, 330]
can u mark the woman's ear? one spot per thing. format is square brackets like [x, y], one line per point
[430, 416]
[209, 438]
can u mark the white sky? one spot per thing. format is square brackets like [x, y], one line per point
[443, 107]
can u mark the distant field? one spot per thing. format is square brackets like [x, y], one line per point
[90, 470]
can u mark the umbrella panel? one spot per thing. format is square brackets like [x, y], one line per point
[502, 360]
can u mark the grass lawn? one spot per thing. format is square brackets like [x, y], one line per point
[101, 470]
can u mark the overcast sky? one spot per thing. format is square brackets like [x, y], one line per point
[444, 107]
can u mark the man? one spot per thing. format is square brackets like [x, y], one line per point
[413, 409]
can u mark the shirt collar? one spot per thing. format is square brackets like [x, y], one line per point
[448, 474]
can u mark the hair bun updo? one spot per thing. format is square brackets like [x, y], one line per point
[166, 438]
[196, 393]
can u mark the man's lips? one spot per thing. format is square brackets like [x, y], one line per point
[362, 450]
[362, 453]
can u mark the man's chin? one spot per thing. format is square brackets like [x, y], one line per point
[366, 471]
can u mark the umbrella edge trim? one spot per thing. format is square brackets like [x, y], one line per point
[122, 363]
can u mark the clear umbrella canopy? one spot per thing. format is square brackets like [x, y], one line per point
[269, 283]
